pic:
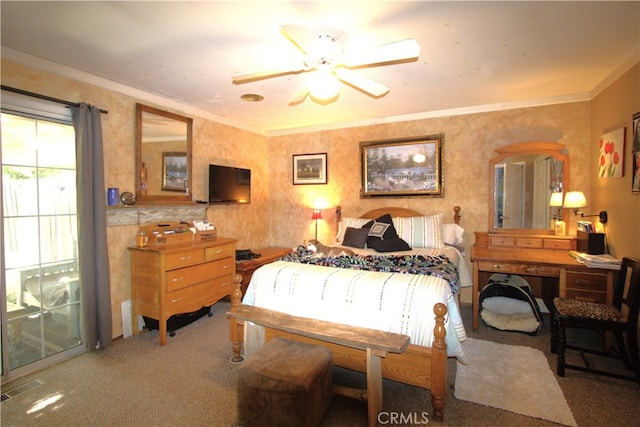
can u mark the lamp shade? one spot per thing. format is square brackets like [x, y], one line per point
[575, 199]
[316, 214]
[556, 199]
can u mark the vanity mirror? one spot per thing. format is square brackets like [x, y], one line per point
[522, 178]
[163, 157]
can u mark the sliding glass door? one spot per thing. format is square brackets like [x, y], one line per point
[41, 289]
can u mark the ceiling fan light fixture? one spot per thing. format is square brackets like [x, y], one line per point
[323, 86]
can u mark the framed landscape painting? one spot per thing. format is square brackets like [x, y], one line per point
[174, 171]
[402, 167]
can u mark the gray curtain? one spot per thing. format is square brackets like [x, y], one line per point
[95, 295]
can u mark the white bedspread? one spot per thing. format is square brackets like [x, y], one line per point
[394, 302]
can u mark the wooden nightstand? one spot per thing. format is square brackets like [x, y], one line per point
[267, 255]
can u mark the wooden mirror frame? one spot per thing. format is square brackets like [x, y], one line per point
[153, 199]
[552, 149]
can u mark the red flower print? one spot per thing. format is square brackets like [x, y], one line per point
[601, 160]
[608, 148]
[616, 157]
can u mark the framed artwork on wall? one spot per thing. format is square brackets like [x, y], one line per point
[635, 154]
[174, 171]
[611, 154]
[402, 167]
[310, 168]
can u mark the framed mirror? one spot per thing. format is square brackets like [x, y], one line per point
[163, 157]
[522, 179]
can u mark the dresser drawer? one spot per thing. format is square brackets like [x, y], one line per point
[188, 276]
[508, 268]
[599, 297]
[184, 259]
[218, 252]
[586, 281]
[202, 294]
[529, 242]
[502, 241]
[558, 244]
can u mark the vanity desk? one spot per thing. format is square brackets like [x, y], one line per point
[543, 261]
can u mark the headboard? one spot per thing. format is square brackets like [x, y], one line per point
[396, 213]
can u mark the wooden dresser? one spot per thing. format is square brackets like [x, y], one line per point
[544, 261]
[180, 278]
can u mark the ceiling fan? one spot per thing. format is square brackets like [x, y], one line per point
[324, 55]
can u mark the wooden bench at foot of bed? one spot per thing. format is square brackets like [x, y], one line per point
[378, 354]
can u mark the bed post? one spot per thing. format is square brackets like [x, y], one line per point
[439, 363]
[456, 214]
[236, 328]
[338, 219]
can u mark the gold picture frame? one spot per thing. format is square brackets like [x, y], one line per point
[402, 167]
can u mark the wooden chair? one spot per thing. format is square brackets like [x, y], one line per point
[621, 319]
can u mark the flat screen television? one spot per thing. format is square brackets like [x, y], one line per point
[229, 185]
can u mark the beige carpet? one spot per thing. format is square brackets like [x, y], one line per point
[513, 378]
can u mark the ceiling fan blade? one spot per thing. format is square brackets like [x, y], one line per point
[299, 95]
[361, 82]
[265, 74]
[402, 50]
[298, 35]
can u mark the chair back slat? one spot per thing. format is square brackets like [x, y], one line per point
[629, 268]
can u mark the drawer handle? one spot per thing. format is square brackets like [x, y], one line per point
[177, 279]
[176, 300]
[583, 282]
[184, 258]
[498, 266]
[226, 266]
[534, 269]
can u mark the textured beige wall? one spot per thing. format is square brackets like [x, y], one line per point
[469, 143]
[612, 109]
[280, 212]
[212, 143]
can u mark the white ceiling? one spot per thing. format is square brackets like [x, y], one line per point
[475, 56]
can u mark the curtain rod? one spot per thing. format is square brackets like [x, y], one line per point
[46, 98]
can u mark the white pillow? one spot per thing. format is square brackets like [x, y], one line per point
[349, 222]
[452, 234]
[420, 231]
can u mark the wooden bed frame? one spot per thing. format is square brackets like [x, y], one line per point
[424, 367]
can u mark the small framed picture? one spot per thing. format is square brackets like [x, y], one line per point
[310, 168]
[174, 171]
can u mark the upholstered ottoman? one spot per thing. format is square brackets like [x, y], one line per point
[285, 383]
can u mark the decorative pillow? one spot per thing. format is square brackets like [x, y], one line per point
[378, 229]
[452, 234]
[355, 237]
[392, 244]
[389, 233]
[420, 231]
[349, 222]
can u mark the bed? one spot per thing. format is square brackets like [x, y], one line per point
[375, 295]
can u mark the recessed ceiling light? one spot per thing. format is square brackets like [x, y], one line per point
[251, 97]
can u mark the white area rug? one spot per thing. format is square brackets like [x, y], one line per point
[514, 378]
